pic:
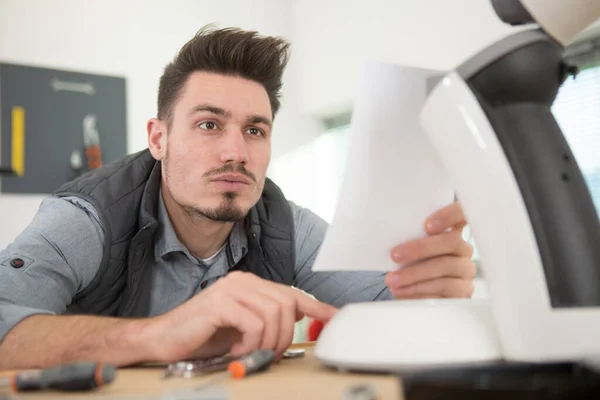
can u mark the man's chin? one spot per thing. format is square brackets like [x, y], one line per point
[228, 210]
[230, 215]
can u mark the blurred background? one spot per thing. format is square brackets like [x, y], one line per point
[108, 55]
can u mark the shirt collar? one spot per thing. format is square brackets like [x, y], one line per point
[167, 241]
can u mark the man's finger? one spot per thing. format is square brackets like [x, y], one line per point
[447, 243]
[313, 308]
[449, 217]
[269, 311]
[288, 315]
[439, 267]
[286, 330]
[305, 305]
[235, 315]
[437, 288]
[220, 343]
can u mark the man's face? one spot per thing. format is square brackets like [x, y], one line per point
[217, 150]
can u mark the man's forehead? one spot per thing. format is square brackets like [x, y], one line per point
[239, 97]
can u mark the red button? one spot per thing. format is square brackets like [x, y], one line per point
[17, 262]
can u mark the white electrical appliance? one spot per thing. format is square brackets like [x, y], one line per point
[521, 189]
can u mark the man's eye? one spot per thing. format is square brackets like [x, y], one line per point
[255, 131]
[208, 125]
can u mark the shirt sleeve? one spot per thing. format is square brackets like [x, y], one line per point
[57, 255]
[337, 287]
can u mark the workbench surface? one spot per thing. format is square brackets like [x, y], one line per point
[301, 378]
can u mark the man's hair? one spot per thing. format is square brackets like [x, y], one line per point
[228, 51]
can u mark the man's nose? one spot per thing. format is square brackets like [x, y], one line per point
[234, 147]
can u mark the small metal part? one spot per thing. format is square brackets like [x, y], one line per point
[192, 368]
[360, 392]
[293, 353]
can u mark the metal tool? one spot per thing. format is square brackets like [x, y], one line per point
[253, 363]
[293, 353]
[69, 377]
[360, 392]
[193, 368]
[91, 139]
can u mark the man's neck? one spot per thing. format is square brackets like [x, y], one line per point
[201, 236]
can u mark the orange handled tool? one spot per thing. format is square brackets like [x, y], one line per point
[257, 361]
[68, 377]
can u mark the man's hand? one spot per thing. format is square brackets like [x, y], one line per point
[239, 313]
[439, 265]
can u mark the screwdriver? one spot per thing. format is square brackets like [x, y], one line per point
[255, 362]
[68, 377]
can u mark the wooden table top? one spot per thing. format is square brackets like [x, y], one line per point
[301, 378]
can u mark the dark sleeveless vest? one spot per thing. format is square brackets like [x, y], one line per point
[125, 196]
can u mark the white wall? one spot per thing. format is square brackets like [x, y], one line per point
[133, 39]
[332, 37]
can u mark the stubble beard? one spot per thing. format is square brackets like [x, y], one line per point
[227, 211]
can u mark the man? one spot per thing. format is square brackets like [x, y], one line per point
[186, 249]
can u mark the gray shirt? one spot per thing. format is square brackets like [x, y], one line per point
[63, 245]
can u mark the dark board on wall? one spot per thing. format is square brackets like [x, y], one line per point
[49, 118]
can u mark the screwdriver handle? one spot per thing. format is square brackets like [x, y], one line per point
[257, 361]
[70, 377]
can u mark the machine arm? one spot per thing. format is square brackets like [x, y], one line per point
[516, 91]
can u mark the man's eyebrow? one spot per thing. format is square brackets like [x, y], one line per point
[257, 119]
[253, 119]
[211, 109]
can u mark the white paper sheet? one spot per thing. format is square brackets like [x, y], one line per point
[393, 179]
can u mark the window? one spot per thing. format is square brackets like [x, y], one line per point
[321, 164]
[577, 111]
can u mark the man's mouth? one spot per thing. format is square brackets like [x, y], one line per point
[232, 178]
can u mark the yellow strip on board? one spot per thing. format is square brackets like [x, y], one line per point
[18, 140]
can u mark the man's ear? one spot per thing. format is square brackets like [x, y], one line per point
[157, 138]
